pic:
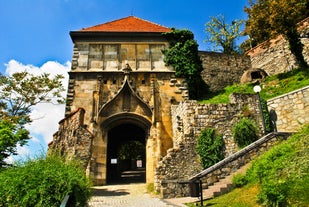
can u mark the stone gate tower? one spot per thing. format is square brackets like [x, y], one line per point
[119, 92]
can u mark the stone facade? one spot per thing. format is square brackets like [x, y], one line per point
[120, 81]
[291, 110]
[189, 119]
[221, 70]
[274, 56]
[73, 138]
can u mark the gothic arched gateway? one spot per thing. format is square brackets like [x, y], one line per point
[119, 96]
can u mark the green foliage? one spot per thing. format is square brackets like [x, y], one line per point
[18, 94]
[44, 182]
[239, 180]
[131, 150]
[222, 34]
[273, 86]
[245, 132]
[10, 136]
[210, 147]
[279, 177]
[269, 18]
[183, 56]
[282, 172]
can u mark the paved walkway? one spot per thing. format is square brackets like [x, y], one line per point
[127, 195]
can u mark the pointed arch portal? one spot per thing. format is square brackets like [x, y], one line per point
[126, 148]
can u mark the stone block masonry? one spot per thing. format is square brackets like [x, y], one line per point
[274, 56]
[291, 110]
[72, 138]
[221, 70]
[189, 119]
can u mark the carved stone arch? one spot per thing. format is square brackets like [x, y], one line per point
[126, 100]
[126, 118]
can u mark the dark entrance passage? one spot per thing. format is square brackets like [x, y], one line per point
[126, 154]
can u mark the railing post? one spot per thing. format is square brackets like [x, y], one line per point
[201, 192]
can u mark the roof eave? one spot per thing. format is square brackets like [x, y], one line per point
[100, 35]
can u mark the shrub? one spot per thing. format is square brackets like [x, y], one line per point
[245, 132]
[282, 172]
[209, 147]
[239, 180]
[44, 182]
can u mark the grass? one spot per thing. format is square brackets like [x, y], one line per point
[273, 86]
[278, 177]
[239, 197]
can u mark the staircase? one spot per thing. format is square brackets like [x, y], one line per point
[223, 186]
[217, 179]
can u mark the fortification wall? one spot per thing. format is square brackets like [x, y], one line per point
[291, 110]
[221, 70]
[72, 138]
[189, 119]
[274, 56]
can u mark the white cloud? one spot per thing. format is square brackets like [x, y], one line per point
[45, 116]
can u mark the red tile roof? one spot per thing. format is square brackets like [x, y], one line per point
[128, 24]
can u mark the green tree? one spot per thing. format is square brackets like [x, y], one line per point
[18, 94]
[210, 147]
[269, 18]
[222, 34]
[183, 56]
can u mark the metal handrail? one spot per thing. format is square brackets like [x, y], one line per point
[238, 154]
[65, 201]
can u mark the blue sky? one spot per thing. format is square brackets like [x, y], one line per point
[35, 33]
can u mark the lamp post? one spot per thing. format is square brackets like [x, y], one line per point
[257, 89]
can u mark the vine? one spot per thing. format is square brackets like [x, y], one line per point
[183, 56]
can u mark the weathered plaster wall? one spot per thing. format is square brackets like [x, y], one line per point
[221, 70]
[292, 110]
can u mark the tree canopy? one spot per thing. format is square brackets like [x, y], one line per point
[19, 92]
[269, 18]
[222, 34]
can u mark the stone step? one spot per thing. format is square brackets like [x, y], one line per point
[223, 186]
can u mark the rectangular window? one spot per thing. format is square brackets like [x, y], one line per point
[83, 55]
[128, 55]
[157, 56]
[95, 59]
[110, 55]
[143, 57]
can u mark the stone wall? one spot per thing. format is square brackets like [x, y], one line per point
[291, 110]
[221, 70]
[72, 138]
[274, 56]
[181, 188]
[189, 119]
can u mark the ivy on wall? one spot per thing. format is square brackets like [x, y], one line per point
[183, 56]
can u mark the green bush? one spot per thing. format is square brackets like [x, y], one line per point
[282, 172]
[239, 180]
[44, 182]
[245, 132]
[210, 147]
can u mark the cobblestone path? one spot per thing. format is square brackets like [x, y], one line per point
[125, 195]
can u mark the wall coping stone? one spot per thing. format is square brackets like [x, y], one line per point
[287, 94]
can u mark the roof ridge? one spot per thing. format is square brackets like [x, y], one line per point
[148, 21]
[128, 24]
